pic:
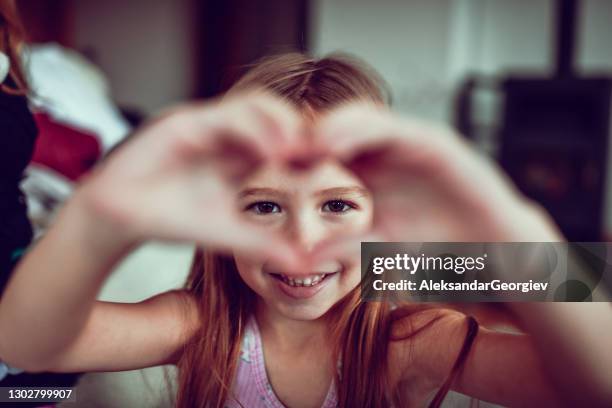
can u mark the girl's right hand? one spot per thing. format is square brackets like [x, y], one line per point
[176, 179]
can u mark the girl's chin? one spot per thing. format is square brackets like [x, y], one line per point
[303, 312]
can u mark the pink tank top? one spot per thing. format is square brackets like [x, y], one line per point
[251, 386]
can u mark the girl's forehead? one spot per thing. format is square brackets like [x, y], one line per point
[326, 174]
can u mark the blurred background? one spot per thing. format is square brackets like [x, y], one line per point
[529, 81]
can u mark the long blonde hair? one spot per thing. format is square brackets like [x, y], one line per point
[361, 330]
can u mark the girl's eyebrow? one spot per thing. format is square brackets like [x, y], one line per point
[259, 191]
[344, 191]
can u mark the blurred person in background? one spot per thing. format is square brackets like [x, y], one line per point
[223, 174]
[77, 119]
[18, 136]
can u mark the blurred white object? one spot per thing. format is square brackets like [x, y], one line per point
[5, 370]
[45, 191]
[153, 268]
[73, 91]
[5, 66]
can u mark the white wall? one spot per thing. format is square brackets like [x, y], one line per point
[424, 47]
[595, 47]
[143, 46]
[406, 41]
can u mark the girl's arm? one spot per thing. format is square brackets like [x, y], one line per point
[129, 336]
[574, 341]
[569, 337]
[50, 320]
[504, 368]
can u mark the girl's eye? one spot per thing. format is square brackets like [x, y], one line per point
[264, 207]
[337, 206]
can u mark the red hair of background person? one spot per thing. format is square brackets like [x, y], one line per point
[67, 150]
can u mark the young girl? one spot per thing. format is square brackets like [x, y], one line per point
[277, 188]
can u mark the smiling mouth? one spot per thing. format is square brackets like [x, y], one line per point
[306, 281]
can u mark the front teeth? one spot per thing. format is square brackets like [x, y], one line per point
[308, 281]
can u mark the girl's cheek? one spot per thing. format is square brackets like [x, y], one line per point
[355, 222]
[362, 219]
[247, 268]
[268, 221]
[352, 274]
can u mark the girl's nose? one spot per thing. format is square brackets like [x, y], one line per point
[306, 231]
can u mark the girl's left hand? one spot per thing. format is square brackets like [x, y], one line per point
[428, 184]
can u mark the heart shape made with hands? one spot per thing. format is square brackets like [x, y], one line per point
[427, 183]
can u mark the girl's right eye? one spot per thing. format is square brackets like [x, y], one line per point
[264, 207]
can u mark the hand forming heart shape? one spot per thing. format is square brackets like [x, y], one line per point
[428, 184]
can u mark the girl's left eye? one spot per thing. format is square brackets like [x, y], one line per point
[337, 206]
[264, 207]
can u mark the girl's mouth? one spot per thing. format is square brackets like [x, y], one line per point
[311, 280]
[302, 287]
[305, 286]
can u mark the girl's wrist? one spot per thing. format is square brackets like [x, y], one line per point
[105, 235]
[523, 221]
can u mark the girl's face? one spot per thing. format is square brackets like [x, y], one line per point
[307, 207]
